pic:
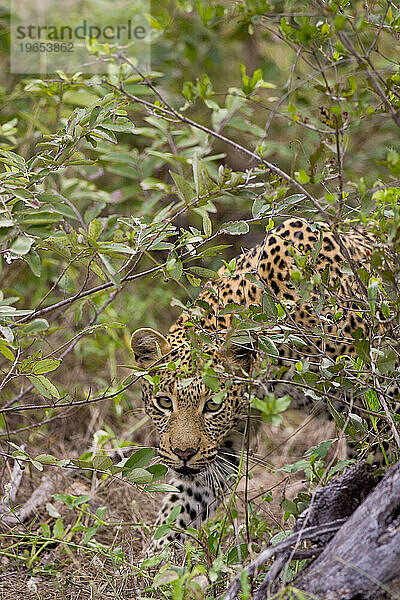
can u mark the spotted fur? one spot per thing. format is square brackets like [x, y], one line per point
[197, 443]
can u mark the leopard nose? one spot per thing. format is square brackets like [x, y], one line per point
[184, 454]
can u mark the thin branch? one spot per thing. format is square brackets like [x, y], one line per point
[79, 296]
[10, 372]
[378, 33]
[367, 66]
[307, 533]
[169, 111]
[340, 168]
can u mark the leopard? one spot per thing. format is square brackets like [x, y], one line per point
[201, 430]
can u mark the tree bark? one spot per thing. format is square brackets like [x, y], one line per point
[354, 526]
[362, 561]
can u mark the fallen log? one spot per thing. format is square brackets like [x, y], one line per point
[357, 560]
[363, 558]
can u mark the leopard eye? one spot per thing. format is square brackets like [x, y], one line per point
[164, 402]
[211, 406]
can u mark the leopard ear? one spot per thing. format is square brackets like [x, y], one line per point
[148, 345]
[241, 352]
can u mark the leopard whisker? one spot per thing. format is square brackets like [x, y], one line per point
[228, 465]
[214, 484]
[226, 469]
[253, 458]
[217, 477]
[222, 469]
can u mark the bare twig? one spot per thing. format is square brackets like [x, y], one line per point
[308, 533]
[168, 111]
[11, 370]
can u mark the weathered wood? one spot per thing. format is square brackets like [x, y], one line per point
[360, 559]
[363, 558]
[338, 499]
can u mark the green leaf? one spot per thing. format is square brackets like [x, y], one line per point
[153, 22]
[289, 507]
[234, 557]
[321, 450]
[268, 305]
[161, 487]
[7, 333]
[5, 350]
[20, 455]
[153, 561]
[112, 271]
[260, 207]
[158, 471]
[219, 396]
[34, 262]
[193, 280]
[99, 132]
[211, 381]
[70, 500]
[362, 345]
[373, 287]
[95, 229]
[283, 403]
[38, 465]
[12, 158]
[23, 194]
[235, 228]
[299, 465]
[121, 124]
[90, 533]
[174, 268]
[372, 400]
[6, 223]
[101, 462]
[113, 248]
[138, 476]
[174, 514]
[21, 450]
[387, 362]
[196, 165]
[94, 114]
[161, 531]
[207, 225]
[140, 458]
[338, 417]
[302, 176]
[21, 245]
[268, 346]
[36, 326]
[206, 273]
[45, 366]
[46, 459]
[44, 526]
[10, 311]
[214, 250]
[58, 529]
[291, 200]
[183, 188]
[44, 386]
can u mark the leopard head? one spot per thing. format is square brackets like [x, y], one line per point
[192, 423]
